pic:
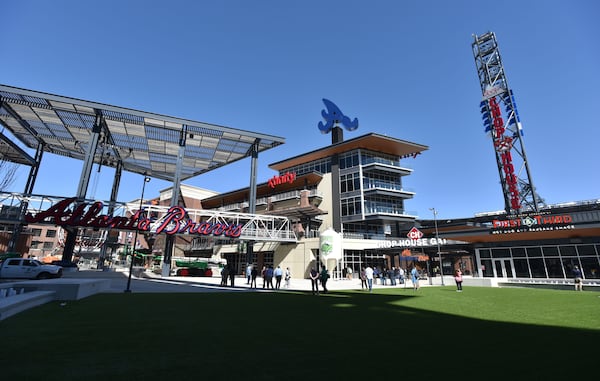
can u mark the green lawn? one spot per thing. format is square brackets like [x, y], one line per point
[481, 333]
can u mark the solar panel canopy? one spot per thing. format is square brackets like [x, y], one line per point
[143, 142]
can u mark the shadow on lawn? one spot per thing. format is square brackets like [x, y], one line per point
[281, 336]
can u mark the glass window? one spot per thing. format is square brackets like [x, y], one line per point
[569, 264]
[533, 252]
[550, 251]
[537, 267]
[501, 253]
[554, 266]
[484, 253]
[351, 206]
[48, 245]
[591, 267]
[521, 268]
[486, 268]
[349, 182]
[518, 252]
[36, 232]
[568, 251]
[51, 233]
[586, 250]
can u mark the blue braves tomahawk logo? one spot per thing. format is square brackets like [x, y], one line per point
[334, 116]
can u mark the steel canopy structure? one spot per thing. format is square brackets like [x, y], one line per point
[142, 142]
[154, 145]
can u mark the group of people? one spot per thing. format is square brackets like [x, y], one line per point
[368, 275]
[268, 273]
[228, 272]
[316, 277]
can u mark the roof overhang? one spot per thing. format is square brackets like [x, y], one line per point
[9, 151]
[262, 190]
[371, 142]
[143, 142]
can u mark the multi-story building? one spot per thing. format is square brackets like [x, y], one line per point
[366, 203]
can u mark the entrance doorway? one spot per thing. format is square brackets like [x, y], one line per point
[504, 268]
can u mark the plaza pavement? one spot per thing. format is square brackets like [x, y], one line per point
[147, 281]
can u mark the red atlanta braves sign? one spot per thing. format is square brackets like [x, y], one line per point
[88, 216]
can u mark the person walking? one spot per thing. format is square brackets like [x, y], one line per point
[224, 275]
[269, 277]
[287, 277]
[324, 276]
[459, 279]
[231, 276]
[278, 273]
[249, 273]
[314, 281]
[414, 274]
[363, 279]
[253, 275]
[369, 276]
[578, 279]
[392, 276]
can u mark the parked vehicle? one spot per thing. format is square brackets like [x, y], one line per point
[13, 268]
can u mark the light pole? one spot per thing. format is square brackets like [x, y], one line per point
[437, 239]
[146, 179]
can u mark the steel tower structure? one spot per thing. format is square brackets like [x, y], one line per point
[504, 127]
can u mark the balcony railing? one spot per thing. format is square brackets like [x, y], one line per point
[370, 184]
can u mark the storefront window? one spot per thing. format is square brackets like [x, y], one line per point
[484, 253]
[501, 253]
[550, 251]
[568, 251]
[519, 252]
[569, 264]
[533, 252]
[537, 267]
[521, 268]
[486, 268]
[591, 267]
[554, 266]
[586, 250]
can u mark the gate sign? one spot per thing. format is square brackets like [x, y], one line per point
[415, 233]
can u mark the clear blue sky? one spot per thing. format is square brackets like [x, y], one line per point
[403, 68]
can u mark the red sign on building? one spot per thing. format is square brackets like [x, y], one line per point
[415, 233]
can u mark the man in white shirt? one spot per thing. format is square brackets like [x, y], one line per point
[369, 275]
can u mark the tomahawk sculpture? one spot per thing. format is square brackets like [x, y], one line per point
[334, 116]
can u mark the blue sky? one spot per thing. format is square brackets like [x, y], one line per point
[403, 68]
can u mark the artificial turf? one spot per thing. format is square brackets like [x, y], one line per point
[481, 333]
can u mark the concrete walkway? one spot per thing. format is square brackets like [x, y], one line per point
[151, 282]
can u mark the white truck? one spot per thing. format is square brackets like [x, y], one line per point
[13, 268]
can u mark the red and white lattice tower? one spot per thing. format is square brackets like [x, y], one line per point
[501, 122]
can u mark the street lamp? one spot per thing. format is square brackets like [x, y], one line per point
[437, 239]
[137, 228]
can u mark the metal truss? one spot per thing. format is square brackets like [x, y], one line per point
[255, 227]
[504, 127]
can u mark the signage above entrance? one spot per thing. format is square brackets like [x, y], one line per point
[287, 177]
[415, 233]
[411, 242]
[533, 223]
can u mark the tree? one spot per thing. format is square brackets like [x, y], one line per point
[8, 171]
